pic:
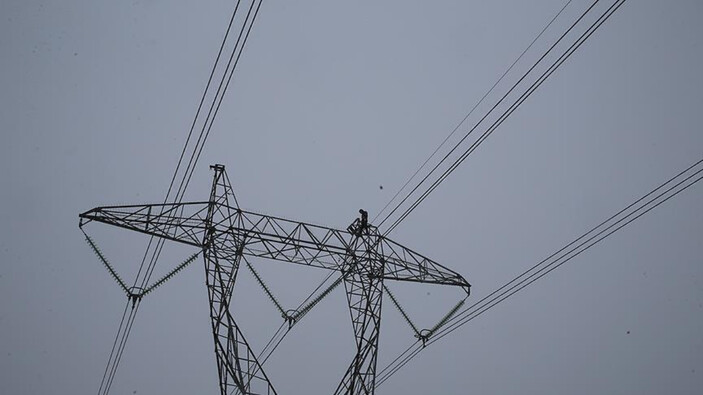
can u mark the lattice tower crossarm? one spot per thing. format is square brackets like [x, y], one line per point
[225, 233]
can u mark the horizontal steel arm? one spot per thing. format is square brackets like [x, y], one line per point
[266, 236]
[404, 264]
[180, 222]
[272, 237]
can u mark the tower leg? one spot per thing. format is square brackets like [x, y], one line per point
[239, 370]
[237, 366]
[364, 287]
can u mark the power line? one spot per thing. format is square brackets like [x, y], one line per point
[515, 104]
[303, 308]
[207, 126]
[229, 79]
[565, 55]
[209, 120]
[499, 121]
[612, 228]
[463, 120]
[681, 182]
[126, 325]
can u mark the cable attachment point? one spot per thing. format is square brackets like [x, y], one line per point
[423, 336]
[135, 295]
[429, 332]
[291, 317]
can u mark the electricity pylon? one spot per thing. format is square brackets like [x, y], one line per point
[225, 233]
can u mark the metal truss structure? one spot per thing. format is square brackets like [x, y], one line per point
[225, 234]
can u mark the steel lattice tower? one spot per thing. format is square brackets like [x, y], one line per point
[225, 233]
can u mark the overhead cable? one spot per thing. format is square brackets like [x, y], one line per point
[129, 314]
[653, 199]
[503, 116]
[463, 120]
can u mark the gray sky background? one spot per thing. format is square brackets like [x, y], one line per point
[331, 100]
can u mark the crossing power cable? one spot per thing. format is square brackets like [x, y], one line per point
[126, 325]
[555, 65]
[293, 319]
[463, 120]
[510, 109]
[303, 309]
[653, 199]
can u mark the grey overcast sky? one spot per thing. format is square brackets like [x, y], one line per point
[333, 99]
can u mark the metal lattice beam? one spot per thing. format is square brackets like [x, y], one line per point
[272, 238]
